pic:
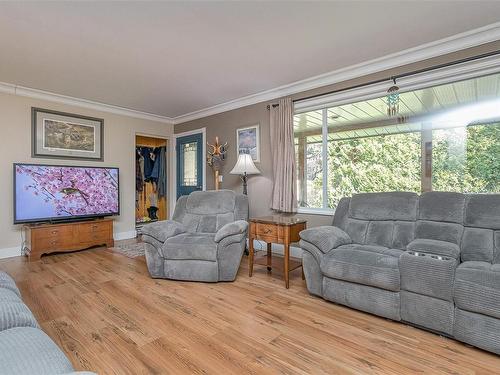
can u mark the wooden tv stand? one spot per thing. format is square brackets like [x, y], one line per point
[63, 237]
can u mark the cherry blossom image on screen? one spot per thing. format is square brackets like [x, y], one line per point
[44, 192]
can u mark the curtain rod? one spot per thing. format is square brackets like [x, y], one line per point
[398, 76]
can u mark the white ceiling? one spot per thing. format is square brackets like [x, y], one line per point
[173, 58]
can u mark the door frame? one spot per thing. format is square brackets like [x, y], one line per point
[203, 132]
[170, 155]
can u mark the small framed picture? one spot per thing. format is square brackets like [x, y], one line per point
[66, 136]
[248, 141]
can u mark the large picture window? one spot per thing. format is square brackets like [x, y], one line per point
[445, 137]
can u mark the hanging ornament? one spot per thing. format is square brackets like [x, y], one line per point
[393, 100]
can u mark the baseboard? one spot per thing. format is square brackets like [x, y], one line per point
[125, 235]
[295, 251]
[9, 252]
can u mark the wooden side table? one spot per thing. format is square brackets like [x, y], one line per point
[275, 229]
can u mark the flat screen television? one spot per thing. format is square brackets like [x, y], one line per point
[46, 193]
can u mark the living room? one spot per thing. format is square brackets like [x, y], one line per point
[228, 187]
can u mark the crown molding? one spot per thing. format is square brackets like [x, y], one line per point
[9, 88]
[468, 39]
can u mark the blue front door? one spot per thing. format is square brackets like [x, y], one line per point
[189, 151]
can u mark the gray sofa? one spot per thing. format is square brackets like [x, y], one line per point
[24, 348]
[432, 261]
[204, 241]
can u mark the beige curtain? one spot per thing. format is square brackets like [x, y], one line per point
[284, 189]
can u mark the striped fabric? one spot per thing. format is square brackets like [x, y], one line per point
[16, 314]
[6, 282]
[363, 297]
[478, 330]
[429, 312]
[28, 351]
[477, 288]
[428, 275]
[7, 295]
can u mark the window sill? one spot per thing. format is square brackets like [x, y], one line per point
[316, 211]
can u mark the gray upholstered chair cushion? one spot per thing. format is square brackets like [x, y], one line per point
[231, 229]
[384, 206]
[209, 211]
[193, 246]
[477, 288]
[442, 206]
[7, 295]
[15, 314]
[441, 216]
[162, 230]
[325, 238]
[483, 211]
[478, 244]
[364, 264]
[7, 282]
[210, 202]
[423, 245]
[28, 351]
[441, 231]
[341, 213]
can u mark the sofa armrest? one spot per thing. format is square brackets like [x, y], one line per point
[442, 248]
[231, 229]
[325, 238]
[163, 230]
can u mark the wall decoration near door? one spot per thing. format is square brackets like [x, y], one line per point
[66, 136]
[216, 157]
[248, 141]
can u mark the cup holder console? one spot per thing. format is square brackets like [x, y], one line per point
[427, 274]
[419, 254]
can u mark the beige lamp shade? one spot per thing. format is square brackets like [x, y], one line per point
[244, 165]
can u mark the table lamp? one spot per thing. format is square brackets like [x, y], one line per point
[244, 167]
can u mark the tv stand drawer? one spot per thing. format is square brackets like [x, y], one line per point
[50, 244]
[94, 227]
[55, 238]
[94, 237]
[52, 232]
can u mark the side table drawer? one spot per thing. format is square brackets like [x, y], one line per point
[267, 230]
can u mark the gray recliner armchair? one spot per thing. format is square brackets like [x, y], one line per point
[204, 241]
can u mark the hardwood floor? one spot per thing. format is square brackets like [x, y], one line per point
[109, 316]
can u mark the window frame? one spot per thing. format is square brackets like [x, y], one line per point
[454, 73]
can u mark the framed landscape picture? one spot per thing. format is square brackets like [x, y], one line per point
[66, 136]
[248, 141]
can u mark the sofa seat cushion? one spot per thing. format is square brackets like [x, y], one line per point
[28, 351]
[190, 246]
[6, 282]
[15, 314]
[364, 264]
[477, 288]
[423, 245]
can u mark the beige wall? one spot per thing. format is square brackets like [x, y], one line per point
[225, 124]
[119, 145]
